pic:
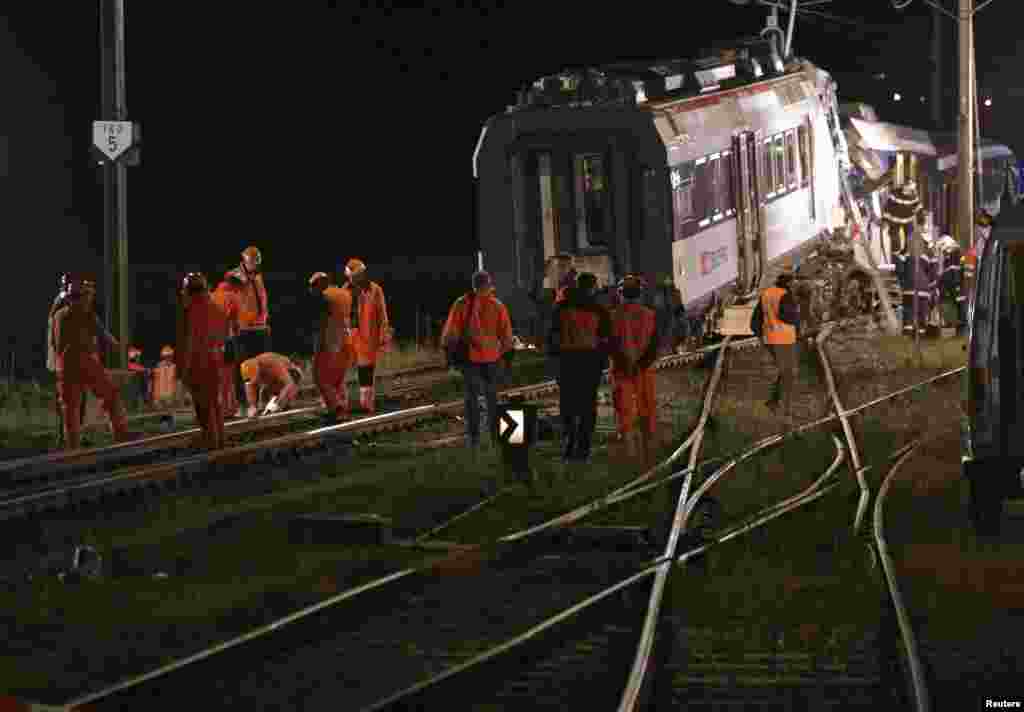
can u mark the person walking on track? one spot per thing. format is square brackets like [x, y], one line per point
[776, 319]
[480, 322]
[580, 337]
[254, 313]
[371, 330]
[228, 296]
[634, 326]
[334, 351]
[76, 334]
[201, 356]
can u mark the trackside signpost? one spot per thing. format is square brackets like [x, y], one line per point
[112, 138]
[517, 427]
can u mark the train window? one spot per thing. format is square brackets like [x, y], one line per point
[727, 192]
[792, 179]
[548, 215]
[592, 200]
[682, 179]
[778, 159]
[765, 170]
[803, 148]
[704, 196]
[716, 184]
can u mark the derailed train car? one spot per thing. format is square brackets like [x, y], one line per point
[711, 171]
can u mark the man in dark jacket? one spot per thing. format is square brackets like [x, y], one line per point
[580, 337]
[776, 319]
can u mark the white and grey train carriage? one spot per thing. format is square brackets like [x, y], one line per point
[712, 170]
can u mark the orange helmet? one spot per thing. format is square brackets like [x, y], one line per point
[166, 352]
[253, 253]
[354, 266]
[250, 369]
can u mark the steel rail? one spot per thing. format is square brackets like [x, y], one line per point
[379, 582]
[770, 513]
[918, 686]
[638, 672]
[764, 516]
[81, 456]
[851, 441]
[249, 424]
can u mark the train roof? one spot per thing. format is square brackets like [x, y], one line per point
[885, 136]
[740, 63]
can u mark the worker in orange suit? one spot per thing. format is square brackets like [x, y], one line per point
[254, 312]
[481, 321]
[580, 337]
[200, 355]
[371, 331]
[228, 296]
[272, 374]
[165, 379]
[334, 351]
[635, 338]
[76, 335]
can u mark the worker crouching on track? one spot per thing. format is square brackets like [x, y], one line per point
[334, 351]
[776, 319]
[201, 356]
[371, 331]
[635, 334]
[76, 334]
[482, 322]
[274, 374]
[228, 296]
[580, 337]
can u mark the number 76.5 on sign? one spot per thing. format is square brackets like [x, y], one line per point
[112, 138]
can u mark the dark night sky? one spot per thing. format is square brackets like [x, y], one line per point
[327, 133]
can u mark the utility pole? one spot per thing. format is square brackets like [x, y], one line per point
[115, 180]
[965, 157]
[937, 66]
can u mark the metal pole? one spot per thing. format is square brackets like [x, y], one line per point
[937, 59]
[115, 195]
[979, 182]
[789, 30]
[965, 157]
[915, 253]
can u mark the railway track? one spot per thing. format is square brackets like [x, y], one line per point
[616, 623]
[59, 479]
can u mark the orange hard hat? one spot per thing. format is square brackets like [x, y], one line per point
[166, 352]
[250, 369]
[253, 253]
[354, 266]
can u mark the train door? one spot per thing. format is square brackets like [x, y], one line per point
[748, 202]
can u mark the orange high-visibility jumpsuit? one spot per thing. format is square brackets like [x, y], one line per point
[635, 334]
[371, 333]
[228, 299]
[78, 368]
[277, 374]
[163, 385]
[335, 351]
[201, 360]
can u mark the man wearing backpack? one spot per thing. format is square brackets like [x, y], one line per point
[476, 336]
